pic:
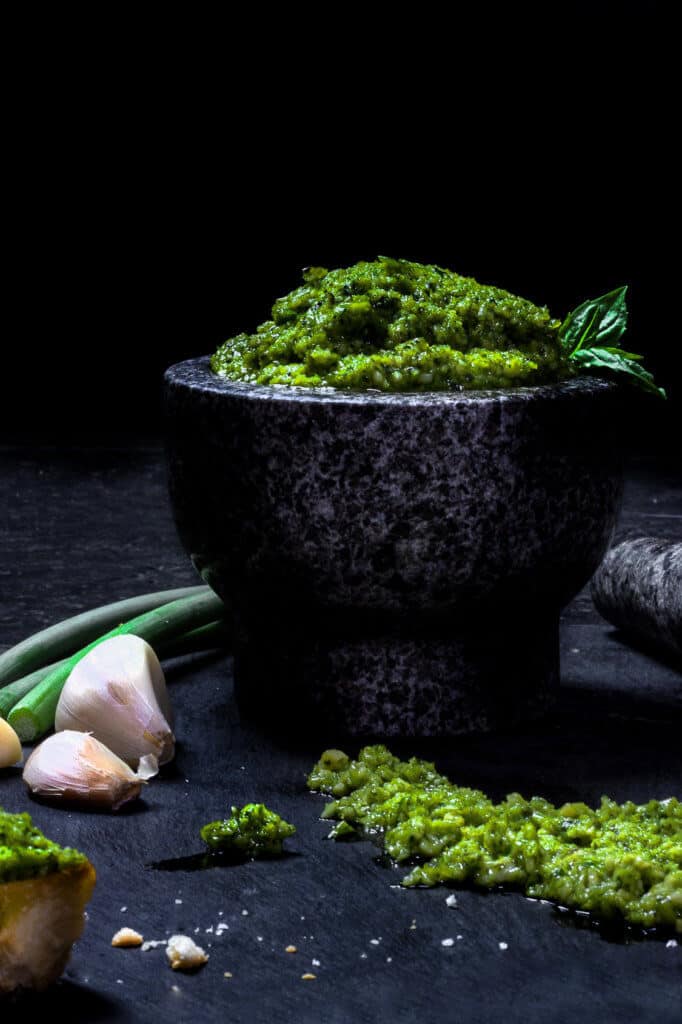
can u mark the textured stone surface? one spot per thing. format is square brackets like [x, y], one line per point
[638, 588]
[377, 545]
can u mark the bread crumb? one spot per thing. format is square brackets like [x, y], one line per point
[227, 974]
[451, 901]
[152, 944]
[125, 937]
[308, 976]
[184, 954]
[291, 949]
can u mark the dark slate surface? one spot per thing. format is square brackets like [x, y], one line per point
[81, 528]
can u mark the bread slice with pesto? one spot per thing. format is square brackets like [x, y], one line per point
[44, 889]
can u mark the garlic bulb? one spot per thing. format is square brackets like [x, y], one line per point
[10, 746]
[118, 693]
[75, 766]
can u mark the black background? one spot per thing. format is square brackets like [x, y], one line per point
[170, 179]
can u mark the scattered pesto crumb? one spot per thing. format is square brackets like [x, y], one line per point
[308, 976]
[447, 942]
[126, 937]
[252, 831]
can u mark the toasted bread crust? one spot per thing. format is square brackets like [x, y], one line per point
[40, 919]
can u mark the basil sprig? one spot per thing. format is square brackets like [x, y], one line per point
[590, 334]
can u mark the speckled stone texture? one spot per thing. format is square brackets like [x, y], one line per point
[397, 563]
[638, 588]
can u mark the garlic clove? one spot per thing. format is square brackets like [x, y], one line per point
[118, 693]
[10, 746]
[148, 767]
[76, 766]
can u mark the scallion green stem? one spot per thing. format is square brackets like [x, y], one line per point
[205, 638]
[13, 692]
[34, 714]
[53, 643]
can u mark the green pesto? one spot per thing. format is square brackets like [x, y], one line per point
[26, 853]
[252, 831]
[618, 861]
[394, 325]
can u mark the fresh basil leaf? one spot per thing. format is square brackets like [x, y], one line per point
[599, 322]
[618, 362]
[626, 355]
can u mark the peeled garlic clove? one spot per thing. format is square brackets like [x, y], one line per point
[75, 766]
[118, 693]
[10, 746]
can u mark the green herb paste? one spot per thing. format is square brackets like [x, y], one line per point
[394, 325]
[252, 831]
[26, 853]
[618, 861]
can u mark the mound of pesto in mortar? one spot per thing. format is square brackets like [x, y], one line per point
[394, 325]
[26, 853]
[616, 861]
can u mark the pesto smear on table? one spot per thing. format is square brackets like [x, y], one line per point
[618, 861]
[394, 325]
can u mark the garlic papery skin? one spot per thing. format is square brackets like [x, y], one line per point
[118, 693]
[75, 766]
[10, 746]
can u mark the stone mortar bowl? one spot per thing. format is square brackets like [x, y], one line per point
[396, 563]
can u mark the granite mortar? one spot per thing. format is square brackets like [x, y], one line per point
[396, 563]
